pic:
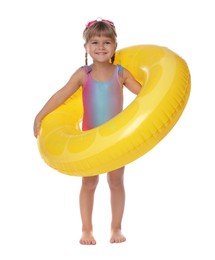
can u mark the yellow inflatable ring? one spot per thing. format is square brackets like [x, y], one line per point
[165, 81]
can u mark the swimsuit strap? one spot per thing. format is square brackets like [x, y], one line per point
[120, 69]
[87, 69]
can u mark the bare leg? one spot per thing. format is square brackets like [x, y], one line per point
[88, 188]
[116, 184]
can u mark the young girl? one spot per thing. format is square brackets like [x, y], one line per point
[102, 84]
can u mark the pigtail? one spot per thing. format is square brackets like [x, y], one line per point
[86, 61]
[113, 58]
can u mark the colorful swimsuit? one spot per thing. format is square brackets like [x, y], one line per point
[101, 100]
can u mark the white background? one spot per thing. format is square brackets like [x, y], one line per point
[170, 191]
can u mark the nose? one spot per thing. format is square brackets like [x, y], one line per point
[101, 45]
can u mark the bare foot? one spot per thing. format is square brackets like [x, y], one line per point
[117, 237]
[87, 238]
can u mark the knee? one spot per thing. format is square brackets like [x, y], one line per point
[115, 180]
[90, 183]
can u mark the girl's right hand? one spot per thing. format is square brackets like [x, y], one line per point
[37, 125]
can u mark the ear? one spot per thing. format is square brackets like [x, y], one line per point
[85, 47]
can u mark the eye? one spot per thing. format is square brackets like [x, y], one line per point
[107, 42]
[94, 42]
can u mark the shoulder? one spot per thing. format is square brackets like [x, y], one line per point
[79, 71]
[123, 72]
[78, 77]
[130, 82]
[82, 71]
[120, 68]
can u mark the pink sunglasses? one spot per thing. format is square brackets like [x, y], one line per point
[100, 20]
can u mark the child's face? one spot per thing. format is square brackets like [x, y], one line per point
[100, 48]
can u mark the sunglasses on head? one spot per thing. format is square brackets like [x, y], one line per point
[100, 20]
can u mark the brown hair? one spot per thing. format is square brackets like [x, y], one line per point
[100, 28]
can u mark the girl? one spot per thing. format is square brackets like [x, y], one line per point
[102, 84]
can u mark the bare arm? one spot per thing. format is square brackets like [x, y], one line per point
[59, 97]
[130, 82]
